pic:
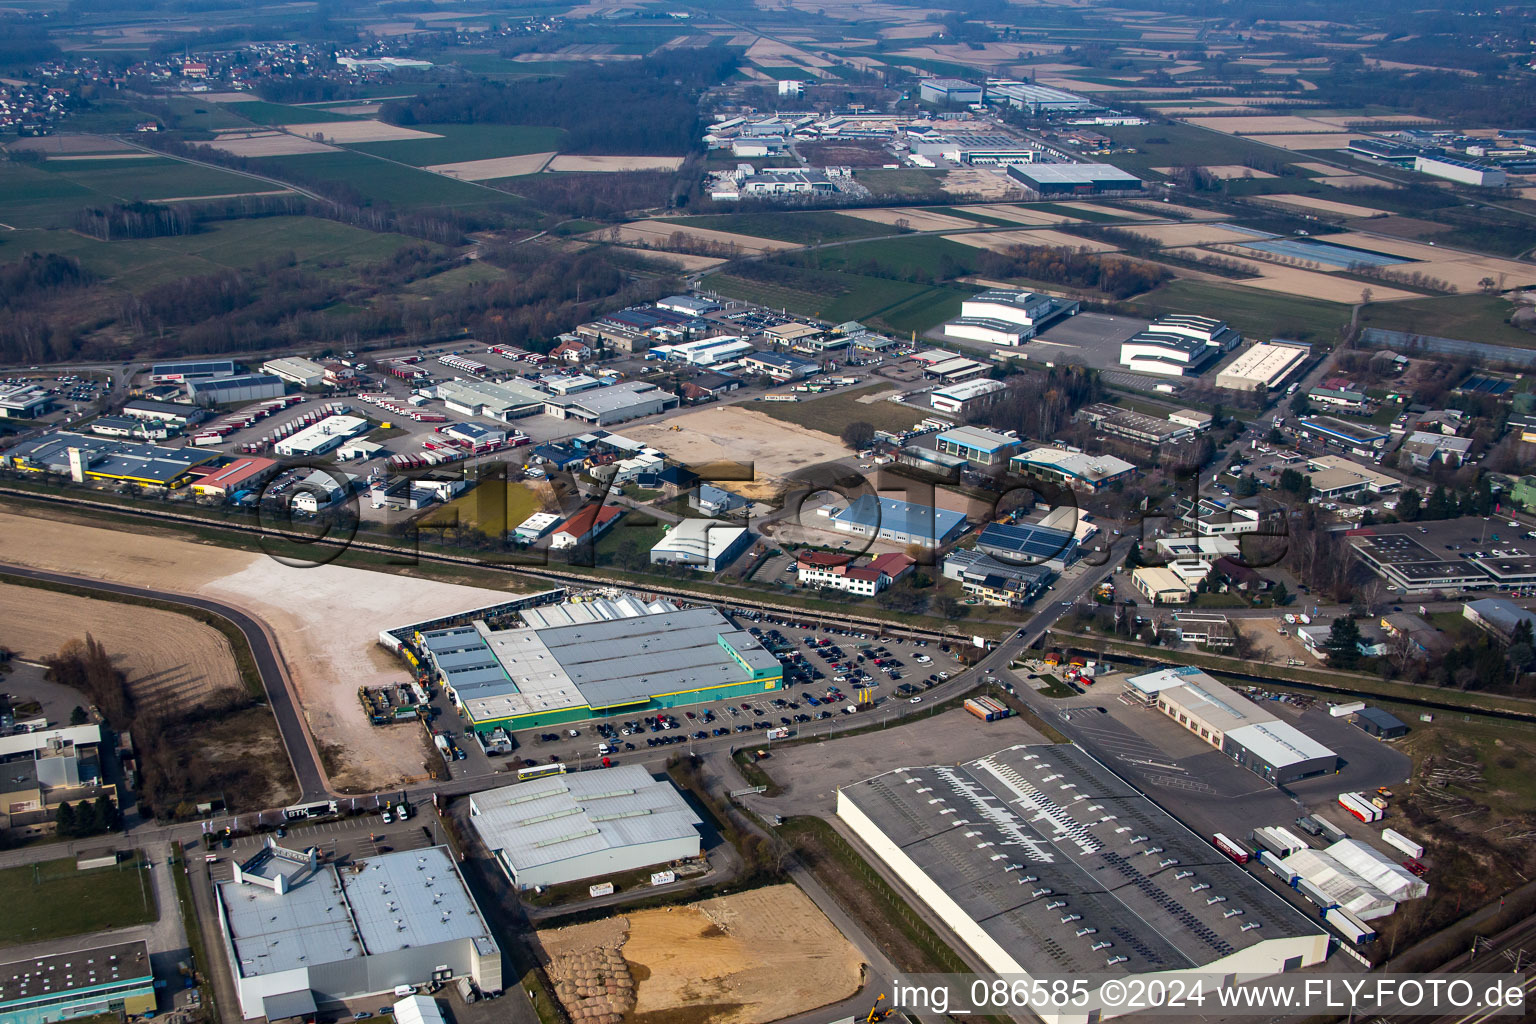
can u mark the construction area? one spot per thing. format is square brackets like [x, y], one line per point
[747, 958]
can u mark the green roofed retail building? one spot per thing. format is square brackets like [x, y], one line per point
[570, 662]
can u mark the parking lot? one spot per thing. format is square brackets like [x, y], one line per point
[362, 835]
[1090, 339]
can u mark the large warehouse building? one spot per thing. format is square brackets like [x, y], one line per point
[1073, 179]
[1044, 862]
[86, 458]
[563, 828]
[245, 387]
[1006, 317]
[1077, 470]
[306, 373]
[1265, 365]
[569, 662]
[301, 933]
[1179, 346]
[1233, 724]
[319, 438]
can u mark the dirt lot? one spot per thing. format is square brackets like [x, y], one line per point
[1303, 143]
[997, 241]
[329, 655]
[495, 167]
[170, 659]
[267, 144]
[67, 144]
[978, 181]
[775, 448]
[747, 958]
[615, 163]
[358, 131]
[658, 234]
[1224, 172]
[1464, 270]
[1325, 206]
[1019, 214]
[1310, 283]
[917, 220]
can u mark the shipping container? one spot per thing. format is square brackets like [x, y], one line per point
[1349, 926]
[1266, 840]
[1398, 841]
[1237, 851]
[1313, 893]
[1342, 710]
[1277, 866]
[1331, 832]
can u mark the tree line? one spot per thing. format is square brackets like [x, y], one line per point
[647, 106]
[38, 277]
[1115, 276]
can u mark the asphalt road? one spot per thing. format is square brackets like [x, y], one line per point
[290, 725]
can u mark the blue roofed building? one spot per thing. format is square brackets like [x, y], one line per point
[1029, 544]
[899, 522]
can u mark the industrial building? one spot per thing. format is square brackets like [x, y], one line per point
[1073, 179]
[1036, 99]
[997, 583]
[1077, 470]
[508, 400]
[175, 413]
[41, 769]
[300, 932]
[569, 662]
[1053, 547]
[967, 397]
[707, 544]
[1153, 431]
[245, 387]
[1044, 862]
[949, 91]
[1412, 567]
[1382, 724]
[1233, 724]
[106, 981]
[1160, 585]
[1003, 317]
[127, 426]
[976, 148]
[243, 473]
[1334, 476]
[781, 366]
[1266, 365]
[319, 438]
[24, 401]
[1178, 346]
[567, 827]
[1498, 616]
[306, 373]
[615, 403]
[1461, 171]
[203, 369]
[1357, 438]
[83, 458]
[978, 445]
[1357, 877]
[897, 521]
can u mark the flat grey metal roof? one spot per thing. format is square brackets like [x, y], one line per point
[559, 817]
[1039, 843]
[377, 905]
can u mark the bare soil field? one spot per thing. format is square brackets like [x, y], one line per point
[259, 144]
[1115, 210]
[358, 131]
[354, 109]
[1464, 270]
[683, 260]
[1360, 181]
[1262, 124]
[916, 219]
[770, 53]
[1326, 170]
[1189, 234]
[170, 659]
[494, 167]
[1076, 85]
[1223, 172]
[328, 654]
[615, 163]
[658, 234]
[732, 433]
[977, 181]
[747, 958]
[53, 144]
[997, 241]
[1325, 206]
[1313, 284]
[1019, 214]
[1158, 210]
[223, 195]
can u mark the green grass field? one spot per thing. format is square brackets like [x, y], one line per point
[904, 182]
[1176, 145]
[901, 306]
[802, 228]
[49, 195]
[466, 142]
[239, 244]
[51, 899]
[493, 508]
[926, 254]
[398, 185]
[264, 113]
[831, 413]
[1257, 314]
[1470, 317]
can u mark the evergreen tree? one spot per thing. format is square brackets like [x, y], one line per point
[65, 819]
[1343, 641]
[1410, 506]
